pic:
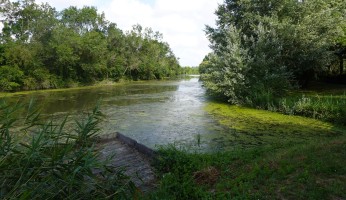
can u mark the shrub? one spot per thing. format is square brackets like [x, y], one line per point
[326, 108]
[10, 78]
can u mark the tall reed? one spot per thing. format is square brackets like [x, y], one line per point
[45, 160]
[331, 108]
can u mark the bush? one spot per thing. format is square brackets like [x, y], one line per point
[332, 109]
[10, 78]
[326, 108]
[43, 79]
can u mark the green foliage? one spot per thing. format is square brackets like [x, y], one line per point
[328, 108]
[56, 49]
[328, 105]
[44, 160]
[87, 129]
[261, 51]
[241, 75]
[63, 48]
[92, 61]
[190, 70]
[148, 57]
[225, 73]
[10, 78]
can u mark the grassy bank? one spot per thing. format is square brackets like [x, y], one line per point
[322, 101]
[86, 87]
[315, 170]
[81, 87]
[272, 156]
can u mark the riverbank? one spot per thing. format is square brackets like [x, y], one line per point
[272, 156]
[311, 170]
[269, 156]
[323, 101]
[81, 87]
[95, 85]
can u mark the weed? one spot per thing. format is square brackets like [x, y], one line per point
[198, 140]
[326, 107]
[314, 170]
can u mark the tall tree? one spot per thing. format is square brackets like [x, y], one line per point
[49, 49]
[305, 29]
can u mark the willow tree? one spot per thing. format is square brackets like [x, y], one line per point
[284, 43]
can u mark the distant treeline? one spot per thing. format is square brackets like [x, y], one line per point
[190, 70]
[41, 48]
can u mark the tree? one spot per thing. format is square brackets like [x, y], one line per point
[52, 49]
[148, 57]
[25, 20]
[241, 76]
[64, 53]
[116, 45]
[84, 20]
[263, 48]
[223, 74]
[93, 64]
[305, 30]
[340, 50]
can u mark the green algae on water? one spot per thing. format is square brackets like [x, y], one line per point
[246, 127]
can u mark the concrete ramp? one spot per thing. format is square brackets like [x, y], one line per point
[132, 156]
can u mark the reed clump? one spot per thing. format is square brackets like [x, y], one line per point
[46, 160]
[330, 108]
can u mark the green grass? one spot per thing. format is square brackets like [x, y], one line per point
[272, 156]
[315, 170]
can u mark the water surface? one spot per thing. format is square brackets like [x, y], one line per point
[153, 112]
[164, 112]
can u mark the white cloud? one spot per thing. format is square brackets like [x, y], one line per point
[128, 12]
[180, 21]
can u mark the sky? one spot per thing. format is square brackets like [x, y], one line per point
[182, 22]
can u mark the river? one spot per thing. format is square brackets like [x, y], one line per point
[165, 112]
[151, 112]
